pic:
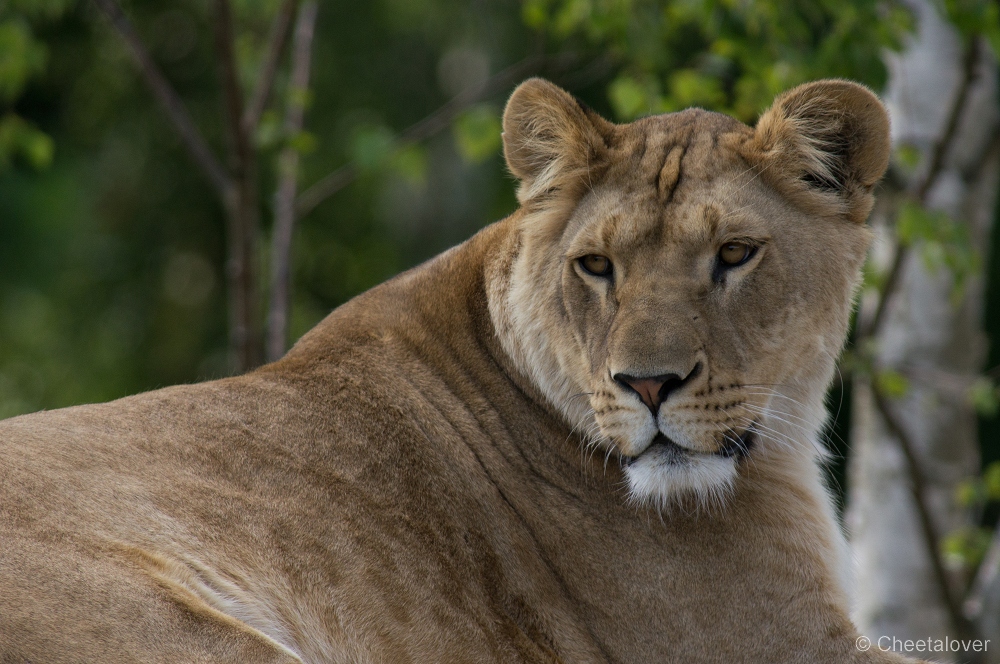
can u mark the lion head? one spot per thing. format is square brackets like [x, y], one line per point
[683, 284]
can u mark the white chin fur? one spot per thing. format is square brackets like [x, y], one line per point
[661, 479]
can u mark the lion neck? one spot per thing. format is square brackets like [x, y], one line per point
[563, 510]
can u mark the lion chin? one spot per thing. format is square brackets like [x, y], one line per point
[666, 474]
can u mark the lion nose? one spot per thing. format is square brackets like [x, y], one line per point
[654, 390]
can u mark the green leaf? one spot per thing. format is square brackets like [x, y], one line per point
[730, 55]
[411, 164]
[572, 15]
[991, 480]
[914, 223]
[965, 548]
[269, 130]
[630, 98]
[303, 142]
[943, 243]
[891, 384]
[689, 87]
[301, 97]
[908, 156]
[970, 492]
[983, 397]
[477, 133]
[21, 57]
[37, 148]
[371, 146]
[535, 13]
[872, 276]
[19, 139]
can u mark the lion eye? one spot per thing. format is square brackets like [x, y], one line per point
[735, 253]
[598, 266]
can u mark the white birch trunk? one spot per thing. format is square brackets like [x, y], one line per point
[925, 333]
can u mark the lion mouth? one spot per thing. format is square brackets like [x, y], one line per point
[667, 451]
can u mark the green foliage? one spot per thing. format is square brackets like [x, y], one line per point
[943, 243]
[631, 98]
[410, 163]
[984, 397]
[112, 259]
[112, 276]
[18, 138]
[970, 493]
[991, 481]
[908, 156]
[270, 131]
[872, 277]
[477, 133]
[966, 547]
[975, 17]
[690, 87]
[977, 491]
[729, 56]
[21, 58]
[892, 384]
[371, 146]
[303, 142]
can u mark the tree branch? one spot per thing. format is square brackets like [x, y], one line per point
[432, 124]
[168, 99]
[918, 486]
[232, 94]
[941, 149]
[284, 199]
[986, 576]
[241, 205]
[281, 28]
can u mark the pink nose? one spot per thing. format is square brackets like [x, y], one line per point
[653, 390]
[648, 389]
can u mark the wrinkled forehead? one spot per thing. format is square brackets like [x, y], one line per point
[675, 178]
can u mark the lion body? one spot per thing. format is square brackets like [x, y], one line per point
[400, 488]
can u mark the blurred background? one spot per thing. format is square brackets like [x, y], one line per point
[186, 187]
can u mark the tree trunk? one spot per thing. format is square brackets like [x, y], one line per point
[925, 335]
[241, 202]
[242, 224]
[280, 305]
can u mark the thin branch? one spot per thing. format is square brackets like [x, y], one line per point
[281, 29]
[432, 124]
[941, 149]
[232, 94]
[970, 61]
[918, 485]
[988, 151]
[241, 205]
[284, 199]
[986, 577]
[168, 99]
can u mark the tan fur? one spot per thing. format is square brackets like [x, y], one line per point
[438, 472]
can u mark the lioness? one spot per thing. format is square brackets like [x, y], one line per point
[588, 434]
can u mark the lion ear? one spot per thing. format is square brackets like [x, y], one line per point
[550, 138]
[824, 144]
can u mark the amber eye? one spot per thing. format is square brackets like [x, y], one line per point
[598, 266]
[735, 253]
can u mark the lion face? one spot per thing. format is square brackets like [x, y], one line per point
[684, 283]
